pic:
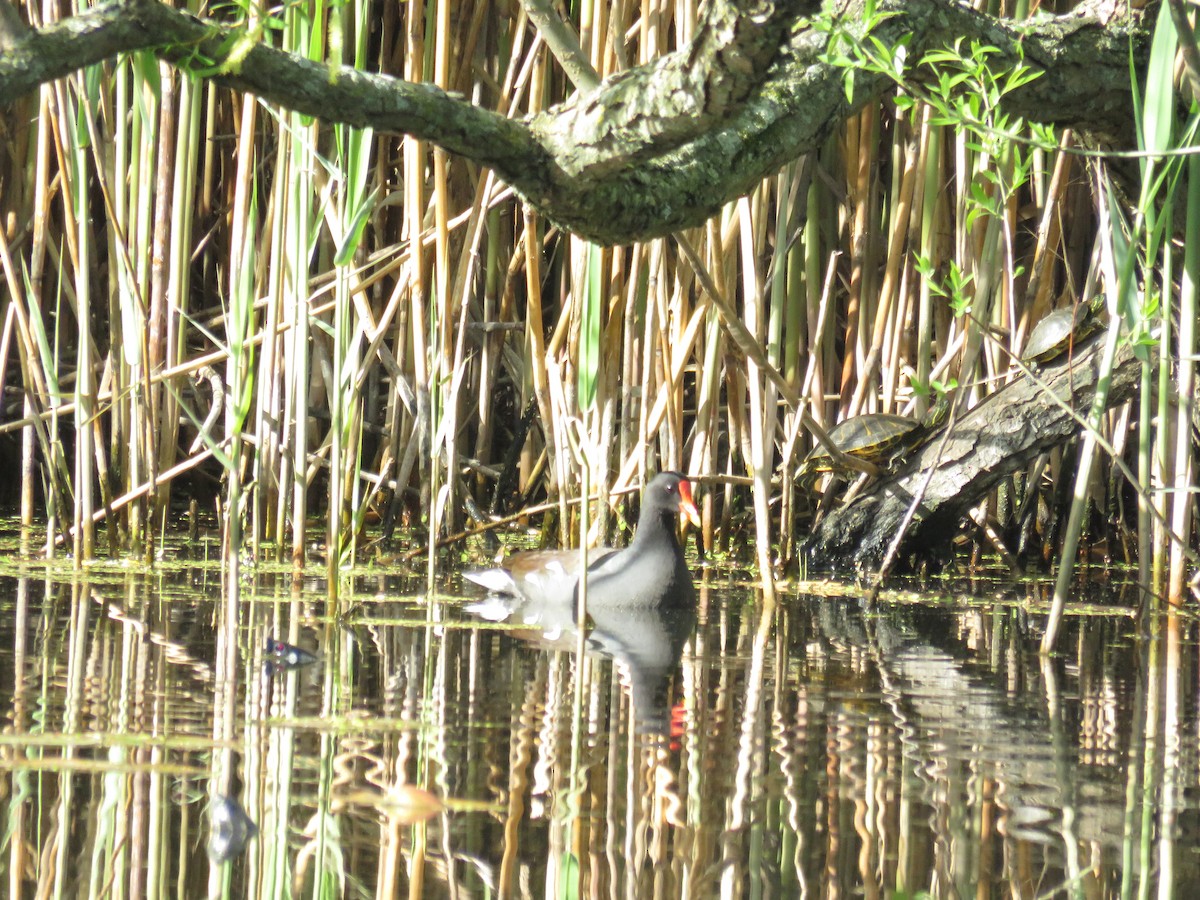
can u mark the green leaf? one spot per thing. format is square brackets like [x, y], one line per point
[979, 195]
[145, 64]
[568, 877]
[1158, 116]
[354, 232]
[1020, 77]
[589, 337]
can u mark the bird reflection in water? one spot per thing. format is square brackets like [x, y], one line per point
[645, 644]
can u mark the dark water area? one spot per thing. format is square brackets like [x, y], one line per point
[449, 747]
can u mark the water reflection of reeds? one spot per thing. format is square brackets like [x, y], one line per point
[812, 750]
[360, 331]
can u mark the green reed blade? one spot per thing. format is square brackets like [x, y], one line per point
[589, 337]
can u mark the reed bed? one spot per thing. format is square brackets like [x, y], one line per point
[390, 337]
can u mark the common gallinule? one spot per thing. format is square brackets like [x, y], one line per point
[651, 572]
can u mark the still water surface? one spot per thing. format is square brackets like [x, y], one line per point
[817, 749]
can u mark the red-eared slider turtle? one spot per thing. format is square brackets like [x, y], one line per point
[1062, 328]
[875, 438]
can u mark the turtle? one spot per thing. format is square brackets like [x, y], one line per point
[1060, 329]
[874, 438]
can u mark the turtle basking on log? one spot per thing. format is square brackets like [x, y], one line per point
[874, 438]
[1061, 329]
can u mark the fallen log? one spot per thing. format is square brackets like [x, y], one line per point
[989, 442]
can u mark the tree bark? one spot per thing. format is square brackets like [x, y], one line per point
[653, 149]
[1001, 435]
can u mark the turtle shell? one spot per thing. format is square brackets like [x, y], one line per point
[869, 437]
[1054, 333]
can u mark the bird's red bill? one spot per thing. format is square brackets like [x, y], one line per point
[687, 507]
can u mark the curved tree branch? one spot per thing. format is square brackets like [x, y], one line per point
[653, 149]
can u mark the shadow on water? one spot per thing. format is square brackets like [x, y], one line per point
[441, 748]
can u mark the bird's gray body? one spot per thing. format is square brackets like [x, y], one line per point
[652, 572]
